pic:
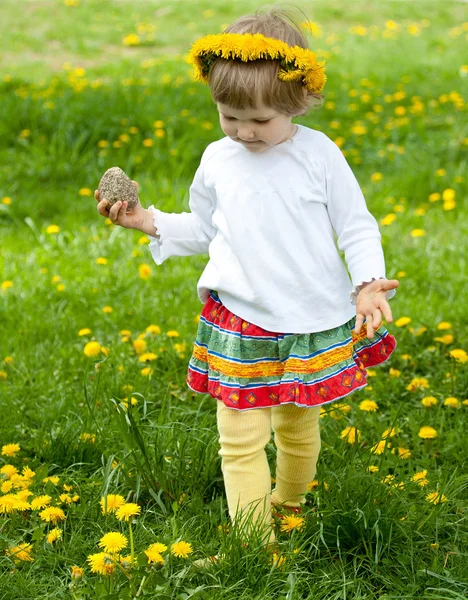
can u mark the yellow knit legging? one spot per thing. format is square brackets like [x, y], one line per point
[243, 436]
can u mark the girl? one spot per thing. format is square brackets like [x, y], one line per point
[283, 330]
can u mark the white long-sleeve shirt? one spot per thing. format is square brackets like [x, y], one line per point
[268, 222]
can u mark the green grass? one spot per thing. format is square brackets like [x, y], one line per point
[366, 535]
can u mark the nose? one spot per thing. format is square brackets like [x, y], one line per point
[245, 134]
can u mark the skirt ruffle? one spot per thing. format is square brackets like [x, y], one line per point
[247, 367]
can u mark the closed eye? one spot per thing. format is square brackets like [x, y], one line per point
[255, 120]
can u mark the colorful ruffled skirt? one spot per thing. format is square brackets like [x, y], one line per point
[247, 367]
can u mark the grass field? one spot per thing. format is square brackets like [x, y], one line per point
[95, 339]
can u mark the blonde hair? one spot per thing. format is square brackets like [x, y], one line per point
[244, 85]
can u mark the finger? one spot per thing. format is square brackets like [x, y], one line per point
[386, 310]
[389, 284]
[96, 194]
[376, 319]
[370, 329]
[135, 183]
[359, 323]
[103, 208]
[114, 211]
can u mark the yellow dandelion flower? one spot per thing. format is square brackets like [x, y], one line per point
[139, 346]
[153, 553]
[77, 572]
[101, 260]
[402, 321]
[368, 406]
[144, 271]
[153, 329]
[10, 449]
[445, 339]
[459, 355]
[417, 383]
[107, 309]
[54, 535]
[7, 284]
[444, 325]
[448, 195]
[420, 478]
[111, 503]
[53, 479]
[8, 470]
[52, 514]
[172, 333]
[92, 349]
[131, 40]
[181, 549]
[436, 498]
[101, 563]
[351, 434]
[428, 401]
[372, 469]
[40, 502]
[52, 229]
[147, 356]
[113, 542]
[127, 511]
[22, 552]
[427, 432]
[84, 331]
[394, 372]
[379, 448]
[146, 372]
[291, 522]
[418, 233]
[6, 487]
[403, 453]
[6, 200]
[85, 192]
[452, 402]
[376, 177]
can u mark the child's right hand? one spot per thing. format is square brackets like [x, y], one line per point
[137, 218]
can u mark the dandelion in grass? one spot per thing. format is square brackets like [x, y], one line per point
[172, 333]
[77, 572]
[54, 535]
[181, 549]
[459, 355]
[107, 309]
[291, 522]
[417, 383]
[6, 487]
[52, 514]
[19, 553]
[351, 435]
[403, 453]
[153, 553]
[92, 349]
[144, 271]
[111, 503]
[127, 511]
[84, 331]
[147, 356]
[8, 503]
[402, 321]
[101, 563]
[427, 433]
[436, 498]
[379, 447]
[420, 478]
[368, 406]
[8, 471]
[139, 346]
[394, 372]
[146, 372]
[10, 449]
[53, 479]
[312, 485]
[452, 402]
[429, 401]
[445, 339]
[113, 542]
[372, 469]
[51, 229]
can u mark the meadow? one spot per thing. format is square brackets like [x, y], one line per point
[110, 481]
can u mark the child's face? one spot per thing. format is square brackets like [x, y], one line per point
[257, 129]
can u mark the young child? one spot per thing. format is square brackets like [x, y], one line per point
[283, 330]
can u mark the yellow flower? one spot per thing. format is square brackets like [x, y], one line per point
[444, 339]
[402, 321]
[84, 331]
[429, 401]
[444, 325]
[459, 355]
[181, 549]
[403, 453]
[368, 405]
[427, 433]
[388, 220]
[101, 261]
[144, 271]
[77, 572]
[147, 356]
[448, 195]
[127, 511]
[85, 192]
[417, 383]
[113, 542]
[290, 522]
[53, 229]
[101, 563]
[376, 177]
[350, 434]
[52, 514]
[20, 552]
[172, 333]
[372, 469]
[7, 284]
[452, 402]
[6, 200]
[92, 349]
[146, 372]
[40, 502]
[54, 479]
[54, 535]
[418, 233]
[153, 329]
[139, 346]
[10, 449]
[107, 309]
[394, 372]
[436, 498]
[153, 553]
[379, 448]
[8, 470]
[131, 40]
[111, 503]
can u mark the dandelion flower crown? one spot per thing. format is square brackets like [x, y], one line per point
[297, 64]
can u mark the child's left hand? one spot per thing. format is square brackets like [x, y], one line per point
[371, 303]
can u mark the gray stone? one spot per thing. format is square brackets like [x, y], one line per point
[115, 185]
